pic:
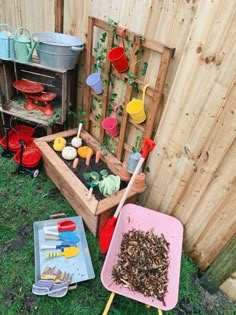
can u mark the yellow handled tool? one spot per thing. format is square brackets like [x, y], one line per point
[67, 252]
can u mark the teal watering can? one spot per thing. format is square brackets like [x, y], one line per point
[6, 43]
[24, 45]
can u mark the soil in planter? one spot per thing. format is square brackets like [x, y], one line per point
[83, 168]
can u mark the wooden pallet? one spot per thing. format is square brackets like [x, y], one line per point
[155, 92]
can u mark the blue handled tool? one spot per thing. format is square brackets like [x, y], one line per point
[63, 236]
[57, 246]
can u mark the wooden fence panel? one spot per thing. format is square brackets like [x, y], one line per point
[36, 16]
[189, 130]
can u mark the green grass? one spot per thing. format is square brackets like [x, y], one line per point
[24, 200]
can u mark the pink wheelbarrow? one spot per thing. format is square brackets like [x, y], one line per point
[139, 218]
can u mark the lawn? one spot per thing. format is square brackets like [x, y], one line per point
[25, 200]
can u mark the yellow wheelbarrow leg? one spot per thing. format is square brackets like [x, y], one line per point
[159, 312]
[108, 305]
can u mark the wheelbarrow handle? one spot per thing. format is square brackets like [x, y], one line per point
[147, 147]
[108, 305]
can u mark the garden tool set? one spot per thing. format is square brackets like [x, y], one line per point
[65, 230]
[61, 256]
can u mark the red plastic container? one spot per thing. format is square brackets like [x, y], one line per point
[31, 156]
[19, 132]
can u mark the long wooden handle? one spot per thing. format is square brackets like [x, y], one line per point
[51, 237]
[132, 179]
[47, 230]
[48, 247]
[79, 130]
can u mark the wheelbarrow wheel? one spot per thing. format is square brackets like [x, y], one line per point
[35, 173]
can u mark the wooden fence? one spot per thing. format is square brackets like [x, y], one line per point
[193, 168]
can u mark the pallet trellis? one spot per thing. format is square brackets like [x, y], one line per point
[155, 92]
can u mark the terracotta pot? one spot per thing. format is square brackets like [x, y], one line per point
[139, 184]
[124, 174]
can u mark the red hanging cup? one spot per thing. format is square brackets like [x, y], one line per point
[117, 56]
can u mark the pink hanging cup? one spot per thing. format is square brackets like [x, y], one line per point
[110, 124]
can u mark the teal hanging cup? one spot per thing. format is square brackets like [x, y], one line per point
[6, 43]
[132, 162]
[24, 45]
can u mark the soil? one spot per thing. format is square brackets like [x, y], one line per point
[215, 304]
[93, 167]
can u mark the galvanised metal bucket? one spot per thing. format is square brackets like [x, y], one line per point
[58, 51]
[6, 43]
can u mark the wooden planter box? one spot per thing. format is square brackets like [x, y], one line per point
[95, 213]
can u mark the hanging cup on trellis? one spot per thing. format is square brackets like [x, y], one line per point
[94, 81]
[136, 109]
[110, 124]
[118, 57]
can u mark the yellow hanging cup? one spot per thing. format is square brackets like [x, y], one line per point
[136, 109]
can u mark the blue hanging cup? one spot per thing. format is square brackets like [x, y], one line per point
[132, 162]
[6, 42]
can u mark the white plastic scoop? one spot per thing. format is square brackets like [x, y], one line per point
[77, 141]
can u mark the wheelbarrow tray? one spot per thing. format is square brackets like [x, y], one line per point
[140, 218]
[19, 132]
[80, 266]
[31, 156]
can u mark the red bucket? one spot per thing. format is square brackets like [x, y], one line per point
[117, 56]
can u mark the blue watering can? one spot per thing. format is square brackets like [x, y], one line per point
[24, 45]
[6, 43]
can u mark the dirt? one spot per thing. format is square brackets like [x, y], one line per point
[215, 304]
[19, 242]
[82, 168]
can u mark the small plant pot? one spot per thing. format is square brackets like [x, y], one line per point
[124, 174]
[139, 184]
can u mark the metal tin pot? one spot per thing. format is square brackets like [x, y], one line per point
[58, 51]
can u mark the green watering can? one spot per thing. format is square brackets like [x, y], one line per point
[24, 45]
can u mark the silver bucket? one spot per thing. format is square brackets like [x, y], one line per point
[58, 51]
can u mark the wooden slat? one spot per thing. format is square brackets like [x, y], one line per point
[124, 76]
[59, 15]
[229, 286]
[128, 95]
[106, 77]
[89, 49]
[162, 73]
[221, 268]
